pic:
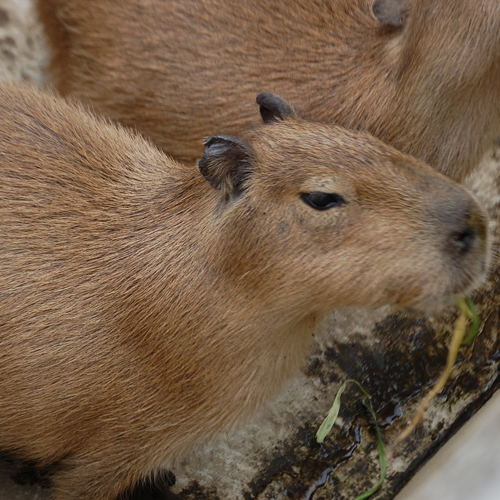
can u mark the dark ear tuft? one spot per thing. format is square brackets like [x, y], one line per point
[273, 108]
[390, 12]
[226, 164]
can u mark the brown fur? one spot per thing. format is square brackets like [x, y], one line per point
[424, 77]
[142, 309]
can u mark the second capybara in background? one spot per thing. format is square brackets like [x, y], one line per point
[146, 305]
[422, 75]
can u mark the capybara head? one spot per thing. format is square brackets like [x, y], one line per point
[328, 202]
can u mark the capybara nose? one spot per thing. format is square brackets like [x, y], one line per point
[463, 240]
[470, 231]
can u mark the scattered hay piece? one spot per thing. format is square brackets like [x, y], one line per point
[466, 310]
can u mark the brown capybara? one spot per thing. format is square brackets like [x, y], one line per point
[422, 75]
[145, 306]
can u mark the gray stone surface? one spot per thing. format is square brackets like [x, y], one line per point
[23, 54]
[12, 491]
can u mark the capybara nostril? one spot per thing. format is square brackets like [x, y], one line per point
[462, 241]
[470, 233]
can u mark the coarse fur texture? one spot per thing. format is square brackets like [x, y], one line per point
[422, 75]
[143, 309]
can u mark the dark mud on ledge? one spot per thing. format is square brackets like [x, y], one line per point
[397, 371]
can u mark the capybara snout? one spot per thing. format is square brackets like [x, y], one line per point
[466, 243]
[464, 225]
[468, 229]
[147, 305]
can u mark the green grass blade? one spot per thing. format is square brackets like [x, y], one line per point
[381, 453]
[466, 305]
[472, 313]
[327, 424]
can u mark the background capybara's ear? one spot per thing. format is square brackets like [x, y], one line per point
[273, 108]
[390, 12]
[226, 163]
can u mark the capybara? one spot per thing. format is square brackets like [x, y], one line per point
[146, 305]
[422, 75]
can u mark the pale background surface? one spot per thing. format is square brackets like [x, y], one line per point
[467, 467]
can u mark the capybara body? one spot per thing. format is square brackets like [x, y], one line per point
[422, 75]
[145, 306]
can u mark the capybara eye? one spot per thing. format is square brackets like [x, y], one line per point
[323, 201]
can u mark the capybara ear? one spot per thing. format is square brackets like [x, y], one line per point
[273, 108]
[226, 163]
[390, 12]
